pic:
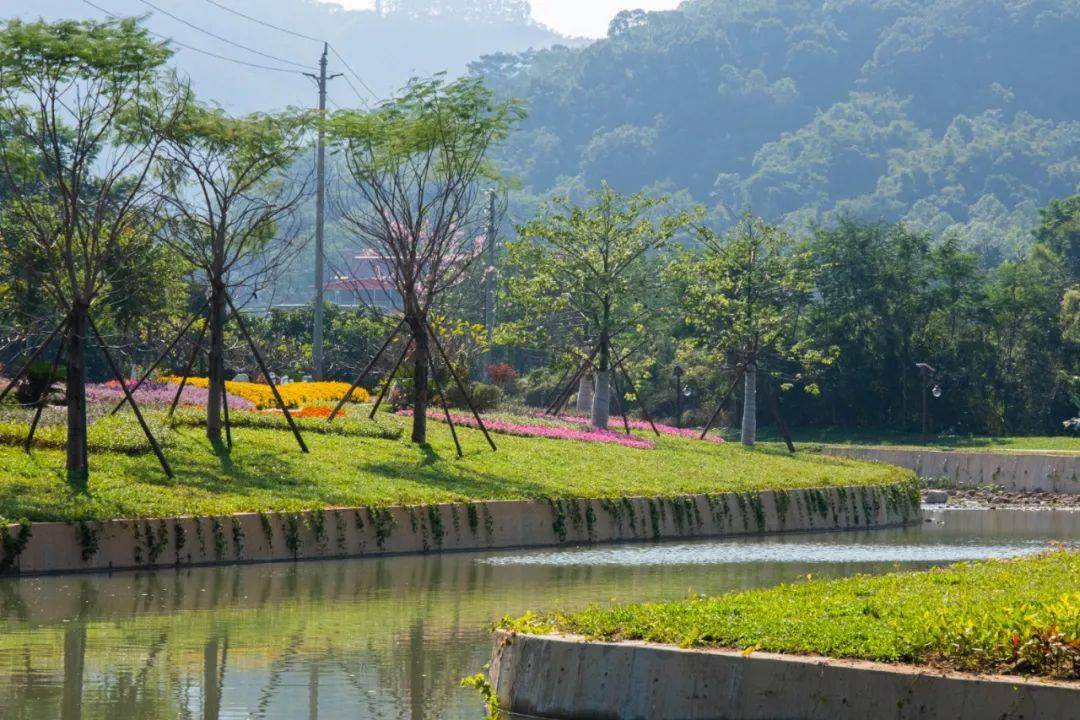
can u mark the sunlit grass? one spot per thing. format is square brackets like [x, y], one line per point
[265, 470]
[1020, 616]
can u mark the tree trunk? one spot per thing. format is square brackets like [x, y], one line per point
[601, 405]
[585, 394]
[78, 470]
[749, 411]
[420, 380]
[216, 362]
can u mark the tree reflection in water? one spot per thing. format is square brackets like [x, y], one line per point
[379, 638]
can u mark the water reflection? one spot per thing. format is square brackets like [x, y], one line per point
[389, 638]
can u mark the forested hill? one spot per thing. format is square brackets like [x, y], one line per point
[953, 115]
[406, 38]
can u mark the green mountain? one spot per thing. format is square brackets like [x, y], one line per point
[956, 116]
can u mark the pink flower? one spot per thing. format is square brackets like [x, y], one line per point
[643, 425]
[555, 433]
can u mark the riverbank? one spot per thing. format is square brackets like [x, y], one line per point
[994, 499]
[38, 548]
[1019, 618]
[265, 472]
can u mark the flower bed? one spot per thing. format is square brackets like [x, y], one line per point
[543, 431]
[295, 395]
[159, 394]
[641, 425]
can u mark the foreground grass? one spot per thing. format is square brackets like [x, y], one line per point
[1013, 616]
[266, 471]
[915, 440]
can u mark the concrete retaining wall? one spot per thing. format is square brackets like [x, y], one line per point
[129, 544]
[1019, 472]
[568, 678]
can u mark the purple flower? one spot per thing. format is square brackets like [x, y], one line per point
[158, 394]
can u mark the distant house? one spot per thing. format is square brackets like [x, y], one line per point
[365, 280]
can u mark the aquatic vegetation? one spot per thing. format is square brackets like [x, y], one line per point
[1017, 616]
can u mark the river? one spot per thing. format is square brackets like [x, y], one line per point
[392, 637]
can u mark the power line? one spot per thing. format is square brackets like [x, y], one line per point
[355, 74]
[263, 22]
[338, 55]
[200, 50]
[223, 39]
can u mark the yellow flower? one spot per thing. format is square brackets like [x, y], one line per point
[301, 394]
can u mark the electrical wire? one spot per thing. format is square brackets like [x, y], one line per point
[338, 55]
[200, 50]
[226, 40]
[355, 74]
[263, 22]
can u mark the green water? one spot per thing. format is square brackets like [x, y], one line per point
[391, 637]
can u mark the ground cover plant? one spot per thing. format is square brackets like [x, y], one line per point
[645, 425]
[525, 427]
[159, 394]
[264, 471]
[295, 395]
[1005, 616]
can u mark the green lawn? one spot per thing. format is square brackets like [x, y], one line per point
[956, 442]
[1015, 616]
[266, 471]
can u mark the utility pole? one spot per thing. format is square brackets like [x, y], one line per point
[489, 275]
[320, 212]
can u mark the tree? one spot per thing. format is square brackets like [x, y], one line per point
[584, 276]
[1025, 299]
[226, 202]
[84, 99]
[744, 294]
[1059, 230]
[416, 164]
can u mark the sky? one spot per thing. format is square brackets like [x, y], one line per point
[589, 18]
[582, 18]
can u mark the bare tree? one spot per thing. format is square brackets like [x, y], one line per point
[416, 164]
[83, 99]
[230, 210]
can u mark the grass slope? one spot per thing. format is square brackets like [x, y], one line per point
[1014, 616]
[266, 471]
[1057, 444]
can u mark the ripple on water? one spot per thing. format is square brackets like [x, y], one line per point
[725, 553]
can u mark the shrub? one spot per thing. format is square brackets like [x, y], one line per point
[540, 387]
[502, 374]
[37, 382]
[485, 397]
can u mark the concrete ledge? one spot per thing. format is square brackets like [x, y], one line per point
[53, 547]
[568, 678]
[1021, 472]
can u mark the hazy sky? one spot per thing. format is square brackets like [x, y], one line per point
[587, 18]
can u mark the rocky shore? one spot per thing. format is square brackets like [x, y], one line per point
[992, 498]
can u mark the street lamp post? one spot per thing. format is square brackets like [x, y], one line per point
[928, 388]
[678, 395]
